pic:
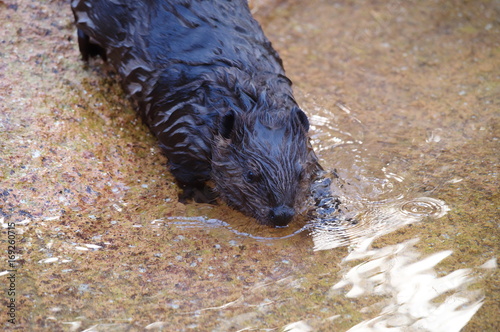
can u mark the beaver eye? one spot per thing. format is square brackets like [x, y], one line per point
[250, 177]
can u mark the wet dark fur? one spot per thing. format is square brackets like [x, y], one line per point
[212, 89]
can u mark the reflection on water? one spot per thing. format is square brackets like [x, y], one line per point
[334, 129]
[412, 295]
[375, 201]
[374, 221]
[256, 233]
[410, 287]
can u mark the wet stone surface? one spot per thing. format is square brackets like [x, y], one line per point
[403, 99]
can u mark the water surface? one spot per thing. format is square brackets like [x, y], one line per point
[403, 99]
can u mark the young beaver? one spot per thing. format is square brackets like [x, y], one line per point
[212, 89]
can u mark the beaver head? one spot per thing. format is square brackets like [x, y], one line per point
[263, 163]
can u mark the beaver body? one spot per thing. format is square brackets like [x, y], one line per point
[212, 89]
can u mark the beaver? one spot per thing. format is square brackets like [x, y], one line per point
[212, 89]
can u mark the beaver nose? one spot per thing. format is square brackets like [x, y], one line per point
[281, 215]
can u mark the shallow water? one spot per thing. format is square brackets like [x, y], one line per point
[404, 101]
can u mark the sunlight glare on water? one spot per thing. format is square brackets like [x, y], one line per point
[376, 200]
[410, 287]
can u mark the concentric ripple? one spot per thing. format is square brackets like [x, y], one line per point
[373, 221]
[423, 207]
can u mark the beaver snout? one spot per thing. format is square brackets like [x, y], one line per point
[281, 215]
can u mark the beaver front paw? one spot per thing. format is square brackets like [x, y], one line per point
[89, 49]
[202, 194]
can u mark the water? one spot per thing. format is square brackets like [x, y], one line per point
[403, 100]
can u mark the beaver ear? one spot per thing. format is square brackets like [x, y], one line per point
[226, 124]
[302, 118]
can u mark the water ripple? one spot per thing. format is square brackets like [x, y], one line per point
[372, 220]
[253, 231]
[424, 206]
